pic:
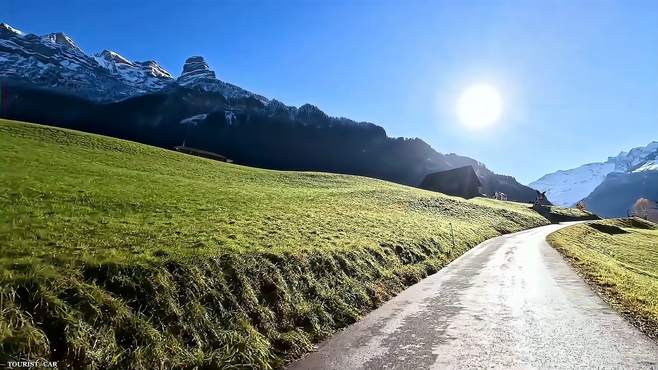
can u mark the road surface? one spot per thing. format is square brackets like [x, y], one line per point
[512, 301]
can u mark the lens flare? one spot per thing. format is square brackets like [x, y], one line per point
[479, 106]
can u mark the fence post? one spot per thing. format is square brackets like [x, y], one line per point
[452, 234]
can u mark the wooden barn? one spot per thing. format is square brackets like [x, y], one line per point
[462, 182]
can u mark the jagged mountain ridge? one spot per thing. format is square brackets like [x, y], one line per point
[53, 82]
[54, 61]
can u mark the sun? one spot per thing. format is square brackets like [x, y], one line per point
[479, 106]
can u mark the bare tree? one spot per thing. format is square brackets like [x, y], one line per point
[652, 212]
[641, 208]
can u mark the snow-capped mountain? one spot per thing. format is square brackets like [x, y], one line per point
[10, 29]
[54, 61]
[146, 75]
[567, 187]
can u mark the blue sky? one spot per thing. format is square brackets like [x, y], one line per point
[579, 79]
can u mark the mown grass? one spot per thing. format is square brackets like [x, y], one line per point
[120, 255]
[571, 214]
[557, 214]
[620, 257]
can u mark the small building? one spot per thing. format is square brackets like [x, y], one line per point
[201, 153]
[499, 195]
[462, 182]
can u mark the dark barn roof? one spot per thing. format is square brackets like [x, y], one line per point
[462, 182]
[201, 153]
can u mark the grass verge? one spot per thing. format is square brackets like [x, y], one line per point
[119, 255]
[620, 259]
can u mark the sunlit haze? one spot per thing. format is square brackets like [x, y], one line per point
[479, 106]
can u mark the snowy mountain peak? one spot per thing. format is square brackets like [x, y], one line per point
[117, 64]
[110, 56]
[7, 28]
[61, 39]
[567, 187]
[155, 69]
[54, 61]
[147, 75]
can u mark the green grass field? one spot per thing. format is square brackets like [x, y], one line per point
[119, 255]
[557, 214]
[563, 214]
[620, 257]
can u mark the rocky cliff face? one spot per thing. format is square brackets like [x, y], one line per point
[196, 70]
[54, 61]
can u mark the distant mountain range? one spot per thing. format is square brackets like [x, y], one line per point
[608, 188]
[49, 79]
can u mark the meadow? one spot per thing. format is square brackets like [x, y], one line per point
[620, 259]
[115, 254]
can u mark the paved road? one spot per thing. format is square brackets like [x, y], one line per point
[510, 302]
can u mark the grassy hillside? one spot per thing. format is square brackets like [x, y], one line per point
[621, 258]
[564, 214]
[117, 254]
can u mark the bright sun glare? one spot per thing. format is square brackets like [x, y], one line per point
[479, 106]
